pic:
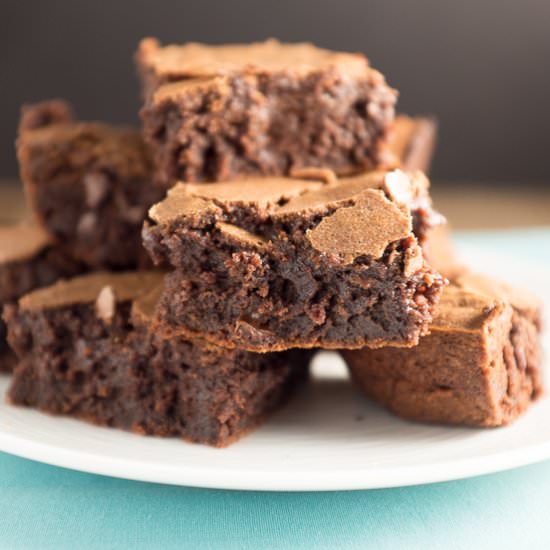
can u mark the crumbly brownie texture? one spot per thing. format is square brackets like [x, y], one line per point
[27, 261]
[83, 352]
[89, 184]
[214, 113]
[279, 263]
[412, 141]
[479, 366]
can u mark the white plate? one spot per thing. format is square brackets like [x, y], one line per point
[328, 438]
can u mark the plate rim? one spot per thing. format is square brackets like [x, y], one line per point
[278, 481]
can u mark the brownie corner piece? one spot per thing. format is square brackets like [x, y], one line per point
[87, 349]
[214, 113]
[266, 264]
[89, 184]
[479, 366]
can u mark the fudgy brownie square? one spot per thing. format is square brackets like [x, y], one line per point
[28, 260]
[479, 366]
[270, 264]
[218, 112]
[86, 350]
[412, 141]
[88, 183]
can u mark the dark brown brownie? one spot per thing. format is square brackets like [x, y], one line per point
[271, 264]
[89, 184]
[479, 366]
[84, 353]
[27, 261]
[412, 140]
[7, 357]
[218, 112]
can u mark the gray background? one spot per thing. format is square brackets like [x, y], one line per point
[481, 66]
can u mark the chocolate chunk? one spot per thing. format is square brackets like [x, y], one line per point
[105, 304]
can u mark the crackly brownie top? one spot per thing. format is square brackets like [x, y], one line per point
[359, 215]
[520, 299]
[471, 300]
[50, 126]
[104, 288]
[21, 242]
[200, 60]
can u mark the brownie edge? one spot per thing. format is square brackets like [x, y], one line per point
[213, 113]
[481, 364]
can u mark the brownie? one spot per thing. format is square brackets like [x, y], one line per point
[88, 183]
[215, 113]
[270, 264]
[86, 349]
[479, 366]
[440, 252]
[412, 140]
[28, 260]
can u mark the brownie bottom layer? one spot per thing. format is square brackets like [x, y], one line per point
[209, 407]
[71, 364]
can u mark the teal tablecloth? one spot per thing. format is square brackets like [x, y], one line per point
[46, 507]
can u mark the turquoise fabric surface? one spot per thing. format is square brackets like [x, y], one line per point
[46, 507]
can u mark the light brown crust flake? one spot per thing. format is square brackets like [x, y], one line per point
[241, 236]
[364, 229]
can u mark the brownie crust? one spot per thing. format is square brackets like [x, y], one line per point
[97, 360]
[480, 365]
[305, 264]
[89, 184]
[217, 113]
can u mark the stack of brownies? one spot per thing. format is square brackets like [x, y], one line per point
[272, 205]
